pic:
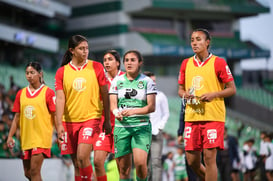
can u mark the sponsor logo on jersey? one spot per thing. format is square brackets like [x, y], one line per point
[130, 93]
[98, 143]
[29, 112]
[87, 132]
[212, 135]
[64, 147]
[228, 70]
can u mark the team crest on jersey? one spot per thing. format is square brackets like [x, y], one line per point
[79, 84]
[198, 82]
[29, 112]
[140, 85]
[120, 85]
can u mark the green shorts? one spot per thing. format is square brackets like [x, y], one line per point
[181, 175]
[127, 138]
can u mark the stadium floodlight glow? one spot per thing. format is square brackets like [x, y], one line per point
[19, 36]
[30, 40]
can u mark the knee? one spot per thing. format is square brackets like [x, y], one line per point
[98, 163]
[82, 161]
[141, 170]
[193, 164]
[34, 171]
[124, 170]
[210, 160]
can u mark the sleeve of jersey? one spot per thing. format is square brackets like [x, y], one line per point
[99, 70]
[16, 104]
[113, 88]
[151, 87]
[51, 100]
[181, 76]
[59, 79]
[222, 70]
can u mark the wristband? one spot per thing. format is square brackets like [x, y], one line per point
[116, 112]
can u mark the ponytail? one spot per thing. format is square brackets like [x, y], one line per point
[66, 58]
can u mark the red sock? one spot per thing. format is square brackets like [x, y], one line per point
[86, 173]
[78, 178]
[102, 178]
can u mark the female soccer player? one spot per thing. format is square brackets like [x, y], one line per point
[105, 143]
[204, 80]
[82, 94]
[132, 98]
[34, 109]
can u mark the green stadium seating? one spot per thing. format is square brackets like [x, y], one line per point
[257, 95]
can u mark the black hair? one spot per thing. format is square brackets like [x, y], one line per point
[73, 42]
[206, 32]
[115, 54]
[37, 66]
[137, 53]
[149, 74]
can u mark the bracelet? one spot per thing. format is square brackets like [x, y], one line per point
[116, 112]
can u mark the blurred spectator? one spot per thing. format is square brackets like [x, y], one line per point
[249, 160]
[168, 168]
[3, 104]
[268, 157]
[11, 94]
[262, 155]
[7, 119]
[158, 120]
[180, 170]
[228, 160]
[3, 137]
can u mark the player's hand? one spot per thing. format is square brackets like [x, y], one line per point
[107, 128]
[208, 97]
[127, 112]
[60, 132]
[117, 114]
[180, 139]
[10, 142]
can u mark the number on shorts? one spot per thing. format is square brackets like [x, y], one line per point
[187, 133]
[102, 136]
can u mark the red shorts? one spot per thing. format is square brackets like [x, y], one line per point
[204, 134]
[105, 142]
[76, 133]
[28, 153]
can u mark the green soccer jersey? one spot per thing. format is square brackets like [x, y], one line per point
[180, 164]
[132, 94]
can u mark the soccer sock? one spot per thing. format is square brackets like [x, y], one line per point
[86, 173]
[102, 178]
[78, 178]
[139, 179]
